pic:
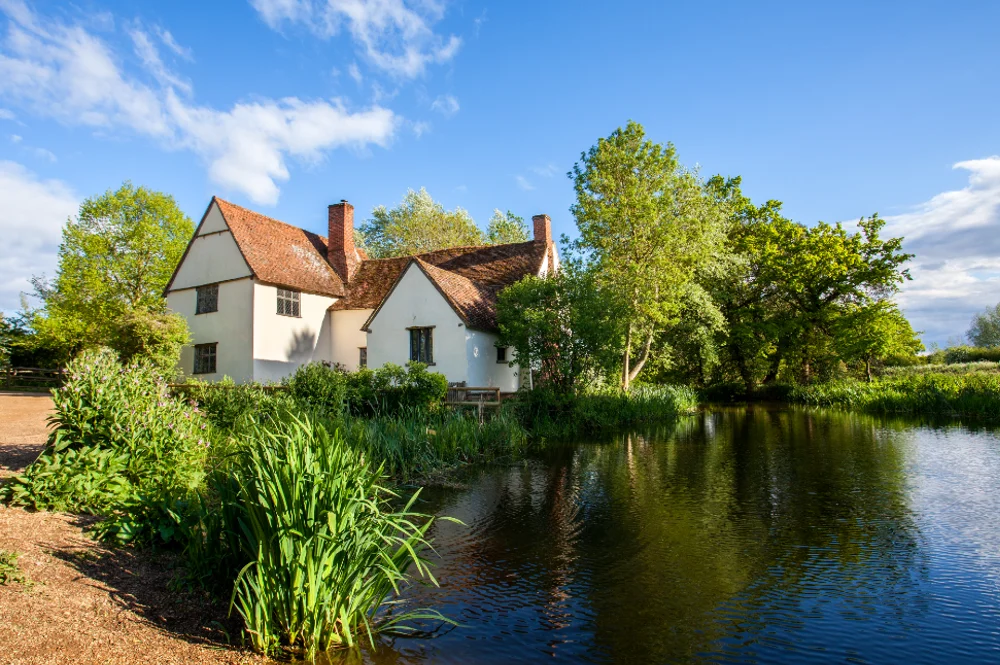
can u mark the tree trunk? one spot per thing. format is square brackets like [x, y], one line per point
[625, 358]
[868, 369]
[642, 359]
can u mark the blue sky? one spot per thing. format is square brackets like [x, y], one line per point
[838, 110]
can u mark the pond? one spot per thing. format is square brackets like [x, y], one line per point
[751, 535]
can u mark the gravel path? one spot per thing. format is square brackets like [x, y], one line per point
[90, 603]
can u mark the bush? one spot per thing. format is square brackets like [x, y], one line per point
[231, 407]
[969, 354]
[545, 412]
[973, 394]
[388, 390]
[324, 549]
[122, 447]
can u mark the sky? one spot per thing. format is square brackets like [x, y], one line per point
[839, 110]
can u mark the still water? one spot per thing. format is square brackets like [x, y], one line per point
[758, 535]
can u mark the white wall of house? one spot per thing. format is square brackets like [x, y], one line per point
[416, 302]
[231, 327]
[348, 337]
[211, 258]
[282, 343]
[484, 370]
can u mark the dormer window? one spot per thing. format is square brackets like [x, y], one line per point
[288, 302]
[207, 299]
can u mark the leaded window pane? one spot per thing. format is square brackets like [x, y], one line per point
[204, 358]
[288, 302]
[207, 299]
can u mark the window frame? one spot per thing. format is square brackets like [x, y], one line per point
[198, 299]
[292, 301]
[362, 357]
[214, 355]
[421, 333]
[502, 355]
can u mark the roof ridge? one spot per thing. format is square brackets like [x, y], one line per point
[268, 218]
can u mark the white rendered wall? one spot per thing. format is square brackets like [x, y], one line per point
[348, 337]
[231, 327]
[416, 302]
[283, 343]
[211, 258]
[484, 370]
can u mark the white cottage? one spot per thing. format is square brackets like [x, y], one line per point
[262, 297]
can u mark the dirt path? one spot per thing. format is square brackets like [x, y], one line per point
[90, 603]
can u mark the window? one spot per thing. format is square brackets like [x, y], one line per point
[362, 357]
[208, 299]
[422, 345]
[288, 302]
[501, 354]
[204, 358]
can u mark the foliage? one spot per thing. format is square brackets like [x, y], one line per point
[10, 570]
[115, 260]
[556, 326]
[646, 229]
[156, 337]
[505, 228]
[549, 413]
[121, 447]
[418, 224]
[956, 368]
[974, 394]
[325, 549]
[874, 332]
[331, 391]
[968, 354]
[233, 407]
[985, 328]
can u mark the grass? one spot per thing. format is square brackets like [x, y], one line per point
[978, 367]
[975, 394]
[325, 549]
[10, 571]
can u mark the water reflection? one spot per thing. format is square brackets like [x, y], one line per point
[751, 535]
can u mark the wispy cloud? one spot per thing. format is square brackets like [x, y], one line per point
[523, 183]
[169, 41]
[6, 114]
[395, 36]
[446, 105]
[65, 72]
[31, 220]
[355, 73]
[546, 171]
[956, 239]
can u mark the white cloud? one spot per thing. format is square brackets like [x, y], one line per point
[169, 41]
[446, 105]
[354, 72]
[956, 239]
[546, 171]
[6, 115]
[67, 73]
[31, 221]
[523, 183]
[420, 128]
[394, 35]
[15, 138]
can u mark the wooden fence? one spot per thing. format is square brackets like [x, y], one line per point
[31, 378]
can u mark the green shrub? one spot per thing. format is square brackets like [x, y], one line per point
[325, 551]
[547, 413]
[122, 446]
[10, 570]
[390, 389]
[231, 406]
[970, 354]
[974, 395]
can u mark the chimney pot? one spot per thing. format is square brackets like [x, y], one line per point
[340, 251]
[543, 228]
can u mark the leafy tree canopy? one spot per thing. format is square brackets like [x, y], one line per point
[418, 224]
[505, 228]
[985, 328]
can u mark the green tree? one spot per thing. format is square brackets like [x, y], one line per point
[646, 229]
[505, 228]
[985, 328]
[115, 260]
[418, 224]
[874, 332]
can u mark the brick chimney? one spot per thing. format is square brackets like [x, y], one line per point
[543, 228]
[340, 250]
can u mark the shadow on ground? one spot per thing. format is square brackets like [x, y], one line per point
[138, 582]
[16, 456]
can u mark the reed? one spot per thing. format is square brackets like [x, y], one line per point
[325, 550]
[975, 395]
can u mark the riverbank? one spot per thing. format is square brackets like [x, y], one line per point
[86, 602]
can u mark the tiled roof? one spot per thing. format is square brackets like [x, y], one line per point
[474, 302]
[280, 253]
[492, 265]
